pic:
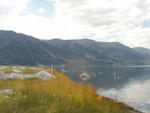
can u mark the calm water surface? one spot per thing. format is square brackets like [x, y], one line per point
[130, 85]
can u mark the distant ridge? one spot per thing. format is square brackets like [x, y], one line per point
[21, 49]
[142, 50]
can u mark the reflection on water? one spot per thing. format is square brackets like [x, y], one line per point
[127, 84]
[135, 94]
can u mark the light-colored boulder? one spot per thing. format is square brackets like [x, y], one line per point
[16, 70]
[44, 75]
[6, 91]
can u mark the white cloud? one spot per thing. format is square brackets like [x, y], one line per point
[32, 24]
[9, 7]
[137, 37]
[108, 20]
[41, 27]
[41, 10]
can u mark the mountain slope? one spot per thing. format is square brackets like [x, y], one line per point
[21, 49]
[77, 51]
[142, 50]
[114, 51]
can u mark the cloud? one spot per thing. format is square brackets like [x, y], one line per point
[137, 37]
[95, 13]
[39, 26]
[108, 20]
[41, 10]
[9, 7]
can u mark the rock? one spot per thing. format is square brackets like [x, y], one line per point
[16, 70]
[14, 76]
[6, 91]
[44, 75]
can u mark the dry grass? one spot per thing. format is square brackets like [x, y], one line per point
[59, 95]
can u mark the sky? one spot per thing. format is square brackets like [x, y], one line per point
[125, 21]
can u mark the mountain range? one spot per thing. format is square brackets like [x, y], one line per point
[21, 49]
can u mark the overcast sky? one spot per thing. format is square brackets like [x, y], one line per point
[125, 21]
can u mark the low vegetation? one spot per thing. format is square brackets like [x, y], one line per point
[55, 95]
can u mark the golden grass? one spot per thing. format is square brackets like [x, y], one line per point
[59, 95]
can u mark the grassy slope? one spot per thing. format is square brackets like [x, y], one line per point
[59, 95]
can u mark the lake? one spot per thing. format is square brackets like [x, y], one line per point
[128, 84]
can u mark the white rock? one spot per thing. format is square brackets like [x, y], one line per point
[16, 70]
[6, 91]
[15, 76]
[44, 75]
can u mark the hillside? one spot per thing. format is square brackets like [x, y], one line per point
[21, 49]
[142, 50]
[111, 50]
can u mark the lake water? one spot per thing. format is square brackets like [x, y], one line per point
[130, 84]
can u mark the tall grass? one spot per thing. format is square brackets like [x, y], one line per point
[59, 95]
